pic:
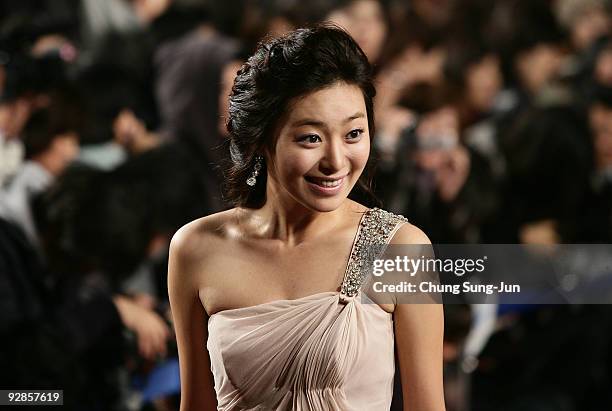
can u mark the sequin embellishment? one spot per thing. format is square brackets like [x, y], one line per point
[373, 235]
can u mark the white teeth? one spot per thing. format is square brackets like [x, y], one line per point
[328, 183]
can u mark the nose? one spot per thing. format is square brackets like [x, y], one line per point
[333, 158]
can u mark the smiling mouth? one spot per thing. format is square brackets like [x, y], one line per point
[325, 182]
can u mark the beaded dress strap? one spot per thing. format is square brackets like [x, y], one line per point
[375, 230]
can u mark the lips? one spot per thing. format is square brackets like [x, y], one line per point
[325, 182]
[326, 186]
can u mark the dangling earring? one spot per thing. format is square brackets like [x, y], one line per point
[251, 181]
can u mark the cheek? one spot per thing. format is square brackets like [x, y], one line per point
[359, 155]
[292, 164]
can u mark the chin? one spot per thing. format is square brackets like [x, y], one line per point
[327, 205]
[322, 204]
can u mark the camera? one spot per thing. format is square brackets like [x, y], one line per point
[411, 140]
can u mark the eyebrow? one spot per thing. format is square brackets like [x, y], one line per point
[313, 122]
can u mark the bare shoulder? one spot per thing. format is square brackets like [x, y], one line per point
[203, 229]
[408, 233]
[195, 241]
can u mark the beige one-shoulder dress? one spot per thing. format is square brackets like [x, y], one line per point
[327, 351]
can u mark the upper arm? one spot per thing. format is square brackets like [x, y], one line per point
[419, 333]
[190, 325]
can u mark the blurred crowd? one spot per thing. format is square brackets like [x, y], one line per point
[493, 125]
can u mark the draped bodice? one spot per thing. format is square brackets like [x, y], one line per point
[326, 351]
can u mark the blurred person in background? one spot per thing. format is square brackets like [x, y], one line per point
[424, 22]
[413, 66]
[51, 142]
[194, 77]
[412, 58]
[585, 20]
[60, 330]
[548, 162]
[53, 332]
[597, 214]
[601, 71]
[601, 122]
[117, 71]
[546, 357]
[414, 51]
[146, 198]
[530, 41]
[434, 177]
[271, 18]
[97, 229]
[15, 107]
[36, 45]
[78, 308]
[30, 84]
[119, 121]
[366, 21]
[472, 70]
[594, 73]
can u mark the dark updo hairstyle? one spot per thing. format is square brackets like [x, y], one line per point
[298, 63]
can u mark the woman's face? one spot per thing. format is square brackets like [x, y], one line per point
[322, 147]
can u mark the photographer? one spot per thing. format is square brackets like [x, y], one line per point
[436, 180]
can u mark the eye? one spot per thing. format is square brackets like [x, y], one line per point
[355, 134]
[310, 139]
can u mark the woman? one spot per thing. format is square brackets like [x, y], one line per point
[277, 278]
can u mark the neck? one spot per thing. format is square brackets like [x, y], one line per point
[284, 219]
